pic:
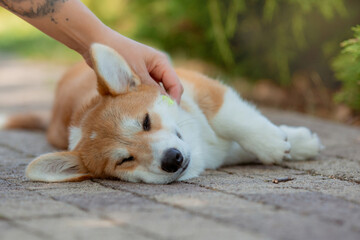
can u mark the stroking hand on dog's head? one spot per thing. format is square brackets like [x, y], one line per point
[128, 132]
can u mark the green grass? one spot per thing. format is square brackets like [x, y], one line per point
[19, 38]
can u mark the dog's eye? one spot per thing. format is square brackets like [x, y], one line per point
[178, 135]
[129, 159]
[147, 123]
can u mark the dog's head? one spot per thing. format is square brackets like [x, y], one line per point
[128, 132]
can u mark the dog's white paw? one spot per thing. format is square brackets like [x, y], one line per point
[270, 144]
[304, 144]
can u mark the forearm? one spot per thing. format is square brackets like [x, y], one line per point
[68, 21]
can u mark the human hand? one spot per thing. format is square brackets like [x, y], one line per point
[152, 66]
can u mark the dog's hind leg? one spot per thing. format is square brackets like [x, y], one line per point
[239, 121]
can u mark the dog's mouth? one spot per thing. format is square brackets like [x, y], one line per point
[183, 169]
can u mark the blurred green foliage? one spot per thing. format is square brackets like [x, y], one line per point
[347, 68]
[18, 37]
[253, 38]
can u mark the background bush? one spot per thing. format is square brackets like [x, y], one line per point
[257, 39]
[347, 67]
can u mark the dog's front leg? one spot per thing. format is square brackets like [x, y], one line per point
[239, 121]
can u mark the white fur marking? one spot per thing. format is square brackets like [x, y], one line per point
[130, 126]
[75, 137]
[93, 135]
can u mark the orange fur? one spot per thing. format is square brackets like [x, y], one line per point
[208, 94]
[78, 87]
[75, 89]
[26, 121]
[103, 116]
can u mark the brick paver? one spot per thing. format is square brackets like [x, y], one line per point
[241, 202]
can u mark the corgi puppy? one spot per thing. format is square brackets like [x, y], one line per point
[115, 127]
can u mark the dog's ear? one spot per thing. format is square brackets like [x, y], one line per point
[57, 167]
[114, 75]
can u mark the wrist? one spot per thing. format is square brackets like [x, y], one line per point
[77, 27]
[86, 34]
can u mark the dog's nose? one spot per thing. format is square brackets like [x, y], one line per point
[172, 160]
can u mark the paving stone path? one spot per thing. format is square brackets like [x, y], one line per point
[322, 202]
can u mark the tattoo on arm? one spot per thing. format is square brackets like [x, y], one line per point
[33, 8]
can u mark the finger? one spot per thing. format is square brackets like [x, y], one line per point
[165, 73]
[175, 92]
[172, 85]
[148, 80]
